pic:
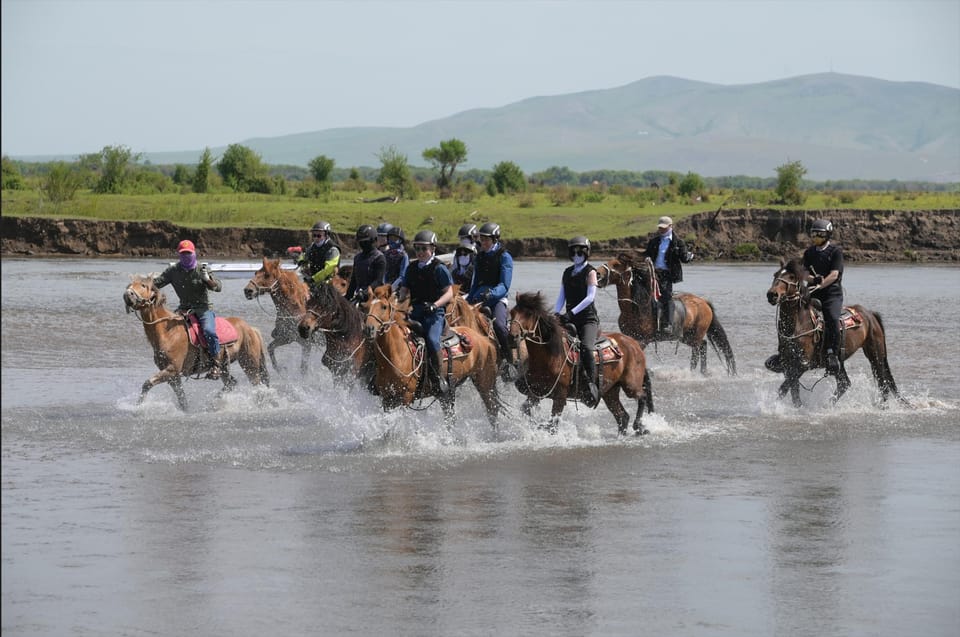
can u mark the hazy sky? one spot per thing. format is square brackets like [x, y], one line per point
[78, 75]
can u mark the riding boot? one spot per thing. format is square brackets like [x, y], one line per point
[507, 366]
[437, 377]
[216, 366]
[666, 310]
[833, 365]
[589, 366]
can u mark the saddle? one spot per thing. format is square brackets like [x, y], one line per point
[453, 344]
[226, 332]
[850, 318]
[607, 349]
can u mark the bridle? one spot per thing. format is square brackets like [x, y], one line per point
[385, 324]
[534, 336]
[787, 295]
[143, 303]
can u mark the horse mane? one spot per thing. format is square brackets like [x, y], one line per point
[345, 318]
[795, 267]
[534, 304]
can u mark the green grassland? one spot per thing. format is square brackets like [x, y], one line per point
[601, 215]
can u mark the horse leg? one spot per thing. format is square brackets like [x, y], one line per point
[612, 400]
[165, 375]
[274, 344]
[647, 397]
[843, 383]
[305, 348]
[176, 384]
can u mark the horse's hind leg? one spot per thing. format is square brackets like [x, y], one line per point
[843, 383]
[177, 386]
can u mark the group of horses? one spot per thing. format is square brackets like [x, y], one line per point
[376, 344]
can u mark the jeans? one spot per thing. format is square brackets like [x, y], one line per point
[208, 323]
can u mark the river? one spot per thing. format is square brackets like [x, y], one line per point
[304, 509]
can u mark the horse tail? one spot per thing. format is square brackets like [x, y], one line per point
[648, 390]
[718, 339]
[253, 356]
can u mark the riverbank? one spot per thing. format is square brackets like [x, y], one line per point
[743, 235]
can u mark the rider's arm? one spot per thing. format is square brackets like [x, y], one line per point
[445, 298]
[561, 304]
[329, 267]
[591, 293]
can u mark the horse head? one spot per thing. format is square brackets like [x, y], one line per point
[141, 293]
[789, 282]
[380, 311]
[264, 280]
[532, 321]
[617, 271]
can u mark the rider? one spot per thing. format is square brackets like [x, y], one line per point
[492, 275]
[578, 290]
[667, 251]
[824, 260]
[368, 265]
[321, 260]
[382, 231]
[396, 257]
[193, 285]
[464, 257]
[429, 286]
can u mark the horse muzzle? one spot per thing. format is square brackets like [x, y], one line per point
[773, 298]
[248, 292]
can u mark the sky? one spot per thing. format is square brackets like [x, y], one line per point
[177, 75]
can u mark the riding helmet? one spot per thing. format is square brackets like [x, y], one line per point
[384, 229]
[468, 231]
[490, 229]
[321, 225]
[397, 231]
[426, 236]
[822, 227]
[366, 234]
[578, 242]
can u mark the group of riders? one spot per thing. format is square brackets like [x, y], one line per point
[483, 268]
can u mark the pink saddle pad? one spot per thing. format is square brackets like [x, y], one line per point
[226, 332]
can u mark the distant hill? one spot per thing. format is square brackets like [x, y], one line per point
[838, 126]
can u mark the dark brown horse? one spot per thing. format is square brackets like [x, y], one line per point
[400, 358]
[694, 319]
[347, 355]
[549, 369]
[800, 336]
[289, 294]
[173, 352]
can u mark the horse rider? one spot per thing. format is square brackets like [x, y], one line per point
[429, 286]
[464, 256]
[575, 305]
[397, 259]
[824, 261]
[368, 265]
[321, 260]
[667, 251]
[382, 230]
[193, 286]
[492, 275]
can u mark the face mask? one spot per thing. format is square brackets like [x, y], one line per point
[464, 261]
[188, 260]
[579, 259]
[819, 240]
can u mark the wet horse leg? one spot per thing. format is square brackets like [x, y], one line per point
[612, 400]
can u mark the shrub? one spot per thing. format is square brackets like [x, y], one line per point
[747, 250]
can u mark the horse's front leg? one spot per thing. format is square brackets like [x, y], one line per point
[165, 375]
[305, 348]
[612, 400]
[176, 384]
[843, 383]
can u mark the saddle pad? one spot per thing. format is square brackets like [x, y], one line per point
[452, 345]
[850, 318]
[607, 350]
[226, 332]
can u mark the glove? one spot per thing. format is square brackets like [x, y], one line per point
[568, 316]
[317, 278]
[817, 280]
[485, 296]
[205, 272]
[431, 308]
[360, 296]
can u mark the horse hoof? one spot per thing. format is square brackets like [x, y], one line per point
[643, 431]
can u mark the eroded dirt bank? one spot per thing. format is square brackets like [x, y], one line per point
[730, 235]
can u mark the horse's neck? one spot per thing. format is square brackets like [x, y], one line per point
[787, 318]
[157, 323]
[290, 294]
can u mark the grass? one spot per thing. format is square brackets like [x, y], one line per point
[530, 215]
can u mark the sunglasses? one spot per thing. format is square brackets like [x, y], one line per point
[421, 248]
[580, 252]
[318, 234]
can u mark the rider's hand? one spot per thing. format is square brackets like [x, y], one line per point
[817, 280]
[432, 308]
[485, 296]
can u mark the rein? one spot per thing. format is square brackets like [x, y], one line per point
[142, 304]
[534, 336]
[384, 327]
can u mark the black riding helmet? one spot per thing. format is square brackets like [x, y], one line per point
[580, 242]
[321, 225]
[384, 229]
[490, 229]
[366, 234]
[426, 236]
[822, 227]
[468, 231]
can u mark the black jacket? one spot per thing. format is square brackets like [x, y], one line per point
[676, 254]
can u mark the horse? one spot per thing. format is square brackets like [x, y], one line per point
[176, 355]
[694, 318]
[800, 336]
[553, 355]
[400, 358]
[289, 294]
[328, 311]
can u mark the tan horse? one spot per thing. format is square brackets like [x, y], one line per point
[289, 294]
[400, 358]
[550, 369]
[800, 336]
[173, 352]
[694, 319]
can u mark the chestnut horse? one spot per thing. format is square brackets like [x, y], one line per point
[347, 355]
[173, 352]
[694, 319]
[551, 355]
[800, 336]
[400, 358]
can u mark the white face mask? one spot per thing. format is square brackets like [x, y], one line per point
[464, 261]
[578, 259]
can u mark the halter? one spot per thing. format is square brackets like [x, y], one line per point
[384, 324]
[142, 303]
[787, 296]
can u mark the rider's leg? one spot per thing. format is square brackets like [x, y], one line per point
[208, 323]
[588, 345]
[832, 306]
[433, 330]
[666, 300]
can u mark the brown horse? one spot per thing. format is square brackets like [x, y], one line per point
[400, 358]
[552, 356]
[289, 294]
[694, 319]
[173, 352]
[347, 355]
[800, 336]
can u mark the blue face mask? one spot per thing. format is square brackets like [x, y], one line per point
[188, 260]
[464, 261]
[579, 259]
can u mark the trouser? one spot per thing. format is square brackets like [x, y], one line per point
[432, 332]
[832, 305]
[588, 344]
[208, 323]
[666, 298]
[498, 310]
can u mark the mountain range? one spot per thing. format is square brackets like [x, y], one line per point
[838, 126]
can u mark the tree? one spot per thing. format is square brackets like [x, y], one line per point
[321, 167]
[691, 185]
[789, 180]
[446, 158]
[395, 173]
[61, 183]
[243, 170]
[115, 169]
[507, 177]
[201, 177]
[181, 175]
[12, 179]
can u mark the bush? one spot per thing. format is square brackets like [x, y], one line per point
[61, 183]
[747, 250]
